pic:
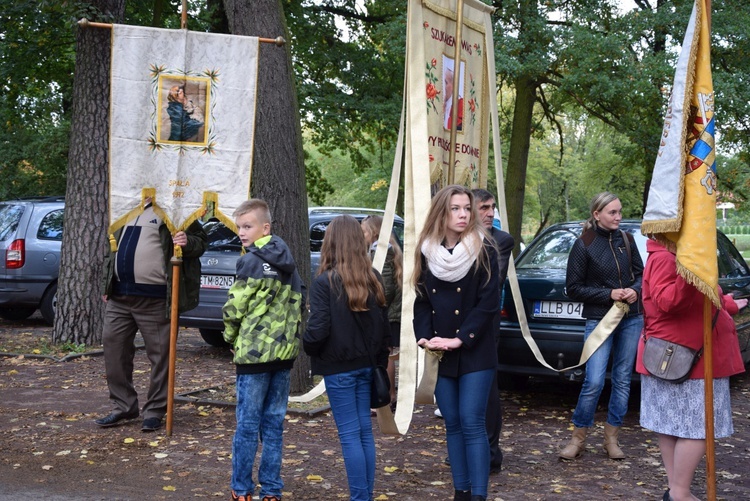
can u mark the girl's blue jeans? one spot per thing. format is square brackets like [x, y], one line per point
[463, 403]
[349, 396]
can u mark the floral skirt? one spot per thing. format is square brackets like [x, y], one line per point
[678, 409]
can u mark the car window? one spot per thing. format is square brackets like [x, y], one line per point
[317, 232]
[731, 262]
[221, 238]
[550, 250]
[10, 215]
[51, 227]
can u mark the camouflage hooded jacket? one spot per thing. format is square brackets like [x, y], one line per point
[264, 308]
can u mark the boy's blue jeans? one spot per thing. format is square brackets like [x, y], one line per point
[349, 396]
[261, 406]
[463, 403]
[623, 345]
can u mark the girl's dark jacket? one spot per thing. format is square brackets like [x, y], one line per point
[598, 263]
[335, 335]
[465, 309]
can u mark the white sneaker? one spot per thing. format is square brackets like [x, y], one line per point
[438, 413]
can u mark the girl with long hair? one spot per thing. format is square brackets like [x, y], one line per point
[456, 276]
[348, 327]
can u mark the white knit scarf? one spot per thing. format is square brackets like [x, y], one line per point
[452, 267]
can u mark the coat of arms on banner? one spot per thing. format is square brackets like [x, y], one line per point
[182, 122]
[472, 120]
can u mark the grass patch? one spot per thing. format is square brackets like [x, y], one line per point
[30, 343]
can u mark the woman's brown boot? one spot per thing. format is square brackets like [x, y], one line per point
[610, 442]
[575, 446]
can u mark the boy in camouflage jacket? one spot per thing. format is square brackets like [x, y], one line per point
[261, 320]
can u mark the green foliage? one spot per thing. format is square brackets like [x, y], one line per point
[36, 74]
[349, 76]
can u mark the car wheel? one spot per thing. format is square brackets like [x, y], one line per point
[214, 338]
[48, 305]
[20, 313]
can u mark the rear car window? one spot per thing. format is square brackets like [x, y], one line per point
[51, 227]
[10, 215]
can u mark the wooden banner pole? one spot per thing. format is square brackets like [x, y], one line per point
[85, 23]
[174, 316]
[451, 177]
[183, 15]
[708, 371]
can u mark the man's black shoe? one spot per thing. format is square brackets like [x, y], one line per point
[151, 424]
[115, 418]
[495, 468]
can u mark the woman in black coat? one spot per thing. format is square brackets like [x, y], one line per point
[457, 280]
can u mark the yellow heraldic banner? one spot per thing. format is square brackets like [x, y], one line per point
[681, 206]
[182, 119]
[433, 71]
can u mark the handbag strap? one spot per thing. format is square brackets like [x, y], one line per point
[629, 251]
[699, 353]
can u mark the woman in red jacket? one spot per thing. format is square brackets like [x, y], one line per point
[673, 310]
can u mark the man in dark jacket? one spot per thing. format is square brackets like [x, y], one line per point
[485, 204]
[137, 289]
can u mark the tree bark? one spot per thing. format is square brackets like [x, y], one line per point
[518, 155]
[79, 311]
[278, 161]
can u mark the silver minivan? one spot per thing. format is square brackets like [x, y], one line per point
[30, 239]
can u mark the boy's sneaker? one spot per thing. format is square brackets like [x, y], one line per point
[244, 497]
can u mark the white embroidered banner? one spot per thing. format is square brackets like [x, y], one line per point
[182, 120]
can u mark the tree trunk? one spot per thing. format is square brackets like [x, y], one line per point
[79, 312]
[518, 155]
[278, 162]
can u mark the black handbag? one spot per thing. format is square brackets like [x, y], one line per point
[669, 361]
[380, 390]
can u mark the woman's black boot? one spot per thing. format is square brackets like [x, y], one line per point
[462, 496]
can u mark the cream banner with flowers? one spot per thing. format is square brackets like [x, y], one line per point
[182, 120]
[437, 33]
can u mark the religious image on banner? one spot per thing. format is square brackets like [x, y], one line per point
[182, 124]
[448, 77]
[182, 109]
[438, 30]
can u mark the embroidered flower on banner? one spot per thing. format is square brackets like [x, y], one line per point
[473, 103]
[433, 94]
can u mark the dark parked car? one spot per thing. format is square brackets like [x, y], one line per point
[219, 266]
[30, 240]
[555, 320]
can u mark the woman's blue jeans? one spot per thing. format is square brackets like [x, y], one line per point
[463, 403]
[261, 406]
[623, 345]
[349, 396]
